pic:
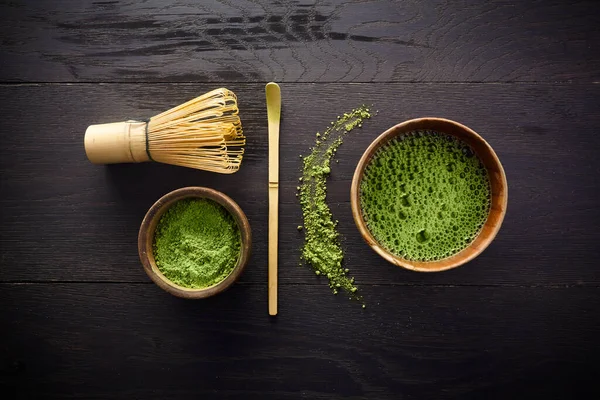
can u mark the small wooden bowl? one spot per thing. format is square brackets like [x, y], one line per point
[497, 180]
[146, 238]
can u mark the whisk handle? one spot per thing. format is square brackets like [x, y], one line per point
[118, 142]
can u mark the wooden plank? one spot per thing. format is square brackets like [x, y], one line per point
[128, 341]
[64, 219]
[302, 41]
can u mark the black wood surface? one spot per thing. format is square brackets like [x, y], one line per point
[133, 341]
[79, 317]
[308, 41]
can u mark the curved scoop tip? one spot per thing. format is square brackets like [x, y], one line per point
[273, 94]
[272, 87]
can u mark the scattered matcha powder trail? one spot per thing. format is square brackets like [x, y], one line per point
[197, 243]
[322, 249]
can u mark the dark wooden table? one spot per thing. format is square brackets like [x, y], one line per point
[80, 319]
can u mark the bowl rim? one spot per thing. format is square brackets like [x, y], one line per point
[461, 257]
[146, 237]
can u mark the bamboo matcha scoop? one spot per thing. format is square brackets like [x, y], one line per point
[273, 113]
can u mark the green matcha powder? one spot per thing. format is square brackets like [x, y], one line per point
[197, 243]
[425, 196]
[322, 249]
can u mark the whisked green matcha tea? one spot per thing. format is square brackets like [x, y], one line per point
[425, 195]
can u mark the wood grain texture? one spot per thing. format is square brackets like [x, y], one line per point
[79, 317]
[299, 41]
[64, 219]
[123, 341]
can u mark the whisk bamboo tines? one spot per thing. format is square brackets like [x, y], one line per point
[204, 133]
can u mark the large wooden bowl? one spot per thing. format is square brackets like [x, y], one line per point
[146, 238]
[497, 179]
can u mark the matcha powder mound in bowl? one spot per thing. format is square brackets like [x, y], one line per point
[194, 242]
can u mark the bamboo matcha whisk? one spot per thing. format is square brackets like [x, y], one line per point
[204, 133]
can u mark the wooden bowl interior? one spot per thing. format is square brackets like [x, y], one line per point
[498, 183]
[146, 239]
